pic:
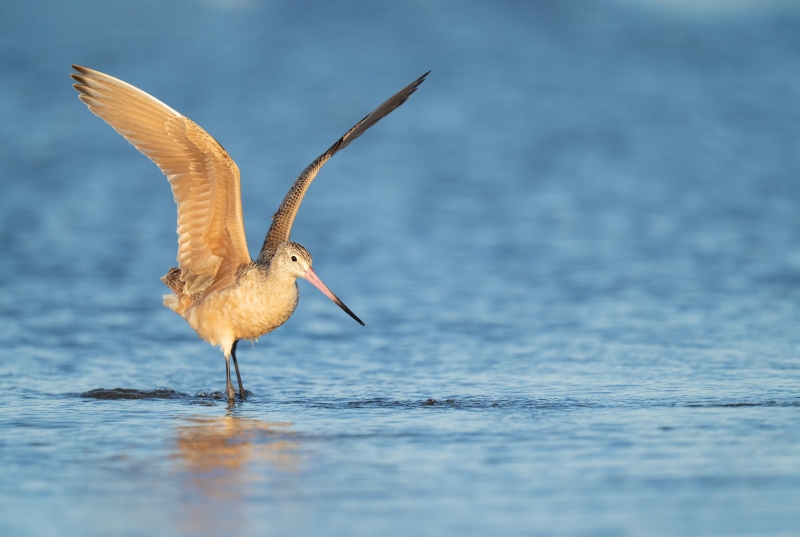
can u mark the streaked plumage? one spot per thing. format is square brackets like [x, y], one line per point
[223, 294]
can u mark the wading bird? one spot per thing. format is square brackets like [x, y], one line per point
[223, 294]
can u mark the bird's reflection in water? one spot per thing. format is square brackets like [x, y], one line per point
[223, 460]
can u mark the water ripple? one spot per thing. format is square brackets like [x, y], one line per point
[130, 393]
[454, 403]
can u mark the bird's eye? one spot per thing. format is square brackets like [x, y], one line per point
[294, 258]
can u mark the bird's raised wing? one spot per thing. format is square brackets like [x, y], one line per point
[204, 179]
[283, 219]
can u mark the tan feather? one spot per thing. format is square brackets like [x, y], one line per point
[204, 179]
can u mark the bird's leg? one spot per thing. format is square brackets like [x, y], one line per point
[228, 386]
[236, 365]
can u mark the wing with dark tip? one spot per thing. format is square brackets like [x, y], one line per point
[204, 179]
[283, 219]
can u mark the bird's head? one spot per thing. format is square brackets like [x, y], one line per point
[291, 258]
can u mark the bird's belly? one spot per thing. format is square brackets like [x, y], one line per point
[242, 312]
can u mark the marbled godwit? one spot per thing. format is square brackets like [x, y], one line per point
[222, 293]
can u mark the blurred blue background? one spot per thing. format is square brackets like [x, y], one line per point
[575, 249]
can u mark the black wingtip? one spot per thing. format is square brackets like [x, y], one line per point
[80, 75]
[420, 80]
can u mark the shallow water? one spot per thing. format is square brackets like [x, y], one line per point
[575, 249]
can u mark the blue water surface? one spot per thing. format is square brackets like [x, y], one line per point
[576, 250]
